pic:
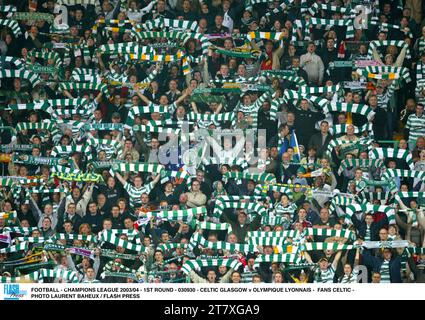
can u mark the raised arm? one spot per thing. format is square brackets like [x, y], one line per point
[401, 56]
[143, 97]
[336, 260]
[194, 107]
[376, 56]
[120, 178]
[187, 93]
[220, 106]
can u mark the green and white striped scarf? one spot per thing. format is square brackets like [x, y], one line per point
[65, 151]
[31, 277]
[316, 7]
[46, 125]
[149, 128]
[84, 86]
[137, 167]
[287, 75]
[343, 233]
[320, 246]
[73, 236]
[366, 197]
[392, 173]
[84, 50]
[385, 43]
[259, 177]
[255, 207]
[274, 220]
[263, 189]
[135, 111]
[172, 24]
[215, 226]
[227, 116]
[229, 161]
[197, 239]
[225, 198]
[385, 72]
[419, 68]
[45, 55]
[353, 208]
[32, 239]
[63, 169]
[291, 95]
[13, 25]
[285, 258]
[349, 107]
[334, 22]
[383, 26]
[198, 264]
[70, 276]
[185, 215]
[250, 3]
[319, 90]
[111, 237]
[172, 246]
[23, 246]
[17, 62]
[116, 145]
[49, 104]
[110, 264]
[420, 196]
[362, 144]
[20, 230]
[273, 234]
[385, 153]
[32, 77]
[167, 174]
[339, 129]
[360, 163]
[131, 234]
[277, 36]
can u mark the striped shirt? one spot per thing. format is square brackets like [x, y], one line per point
[136, 193]
[93, 281]
[280, 210]
[368, 236]
[351, 278]
[383, 100]
[385, 272]
[416, 126]
[325, 276]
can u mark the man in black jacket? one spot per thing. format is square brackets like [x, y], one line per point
[69, 215]
[320, 141]
[305, 121]
[368, 229]
[240, 226]
[380, 120]
[389, 266]
[93, 218]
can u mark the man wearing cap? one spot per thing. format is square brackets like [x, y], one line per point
[326, 271]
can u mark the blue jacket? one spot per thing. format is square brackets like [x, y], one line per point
[375, 263]
[374, 227]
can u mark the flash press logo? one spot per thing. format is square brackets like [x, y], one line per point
[13, 292]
